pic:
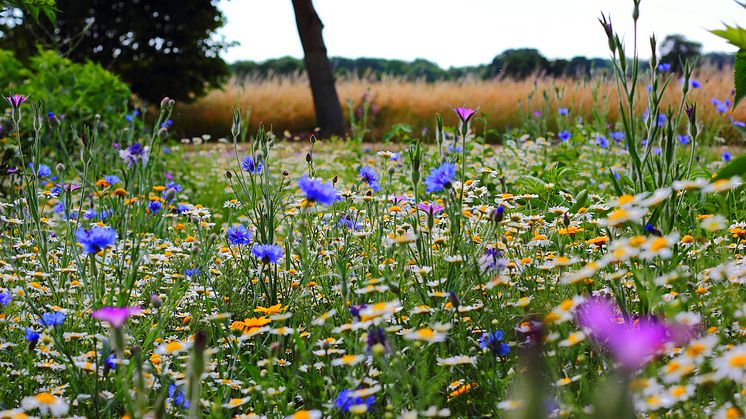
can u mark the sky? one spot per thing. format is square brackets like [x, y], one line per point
[468, 32]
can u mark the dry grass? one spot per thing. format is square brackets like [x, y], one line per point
[285, 102]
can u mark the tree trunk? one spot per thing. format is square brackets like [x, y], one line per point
[329, 115]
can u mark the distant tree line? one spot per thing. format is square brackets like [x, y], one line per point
[512, 63]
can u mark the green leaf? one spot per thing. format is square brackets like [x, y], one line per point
[737, 167]
[739, 76]
[734, 35]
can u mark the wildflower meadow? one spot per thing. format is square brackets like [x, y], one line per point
[582, 267]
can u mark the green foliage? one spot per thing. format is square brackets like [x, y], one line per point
[735, 168]
[159, 48]
[735, 35]
[12, 71]
[33, 7]
[78, 91]
[739, 76]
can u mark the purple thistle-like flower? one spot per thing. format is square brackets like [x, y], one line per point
[465, 114]
[431, 209]
[115, 316]
[16, 101]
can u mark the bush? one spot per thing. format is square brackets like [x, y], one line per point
[78, 91]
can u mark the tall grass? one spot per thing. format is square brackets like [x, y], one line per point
[284, 102]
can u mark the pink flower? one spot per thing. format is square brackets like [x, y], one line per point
[16, 101]
[631, 342]
[116, 316]
[464, 113]
[431, 209]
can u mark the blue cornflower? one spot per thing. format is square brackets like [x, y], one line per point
[250, 166]
[53, 318]
[601, 141]
[454, 149]
[684, 139]
[617, 136]
[30, 335]
[369, 175]
[155, 206]
[182, 208]
[563, 111]
[191, 272]
[720, 107]
[355, 310]
[111, 361]
[564, 135]
[727, 156]
[177, 395]
[4, 298]
[346, 399]
[493, 341]
[112, 179]
[317, 191]
[95, 239]
[346, 221]
[42, 171]
[440, 178]
[238, 234]
[664, 67]
[662, 118]
[695, 84]
[267, 253]
[90, 214]
[175, 186]
[394, 157]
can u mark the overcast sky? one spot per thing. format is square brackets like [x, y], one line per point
[468, 32]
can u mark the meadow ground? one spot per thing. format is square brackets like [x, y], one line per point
[435, 277]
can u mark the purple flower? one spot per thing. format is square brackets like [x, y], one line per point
[16, 101]
[4, 298]
[663, 67]
[440, 178]
[318, 191]
[238, 235]
[431, 209]
[564, 135]
[601, 141]
[267, 253]
[727, 156]
[684, 139]
[632, 342]
[95, 239]
[465, 114]
[115, 316]
[563, 111]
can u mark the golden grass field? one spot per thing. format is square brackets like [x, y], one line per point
[285, 102]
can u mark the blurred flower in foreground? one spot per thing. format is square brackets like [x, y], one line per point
[115, 316]
[632, 342]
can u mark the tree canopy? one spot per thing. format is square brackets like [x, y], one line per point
[158, 47]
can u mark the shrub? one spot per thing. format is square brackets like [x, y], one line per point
[78, 91]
